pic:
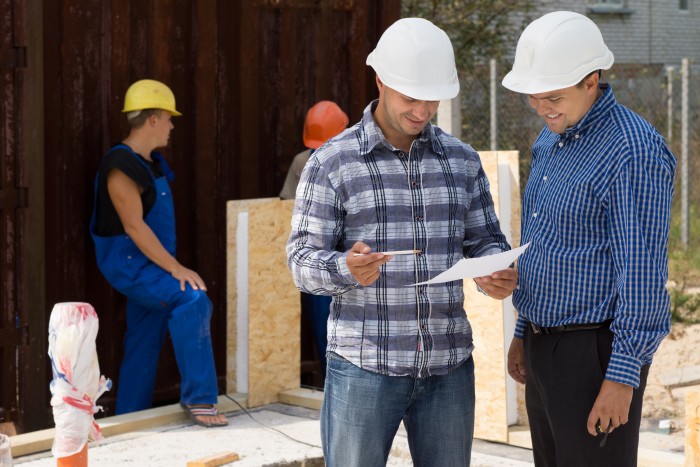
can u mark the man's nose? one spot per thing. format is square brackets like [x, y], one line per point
[422, 110]
[540, 107]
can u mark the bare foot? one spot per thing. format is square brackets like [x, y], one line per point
[205, 415]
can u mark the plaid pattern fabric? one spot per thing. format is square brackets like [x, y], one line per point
[596, 212]
[358, 187]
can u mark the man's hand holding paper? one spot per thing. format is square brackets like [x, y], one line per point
[500, 284]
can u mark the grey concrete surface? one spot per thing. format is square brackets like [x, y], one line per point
[280, 435]
[275, 435]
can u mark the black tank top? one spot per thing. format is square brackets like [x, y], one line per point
[107, 222]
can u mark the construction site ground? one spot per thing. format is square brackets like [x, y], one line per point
[276, 435]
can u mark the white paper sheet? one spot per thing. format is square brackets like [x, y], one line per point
[477, 267]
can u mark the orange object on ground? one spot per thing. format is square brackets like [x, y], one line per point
[79, 459]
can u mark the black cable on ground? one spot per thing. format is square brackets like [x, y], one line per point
[269, 427]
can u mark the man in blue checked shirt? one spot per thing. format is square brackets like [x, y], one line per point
[393, 181]
[591, 293]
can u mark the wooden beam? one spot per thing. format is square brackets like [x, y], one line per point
[215, 460]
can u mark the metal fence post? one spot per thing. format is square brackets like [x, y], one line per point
[684, 153]
[669, 102]
[494, 111]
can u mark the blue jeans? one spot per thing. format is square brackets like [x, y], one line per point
[362, 411]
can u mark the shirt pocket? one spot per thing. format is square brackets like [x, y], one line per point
[574, 208]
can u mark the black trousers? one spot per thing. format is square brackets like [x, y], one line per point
[565, 371]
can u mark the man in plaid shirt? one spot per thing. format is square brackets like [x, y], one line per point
[397, 351]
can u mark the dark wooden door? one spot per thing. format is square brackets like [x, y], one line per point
[23, 369]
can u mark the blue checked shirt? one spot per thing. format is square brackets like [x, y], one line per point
[436, 199]
[596, 212]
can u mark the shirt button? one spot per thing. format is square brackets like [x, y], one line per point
[544, 178]
[128, 257]
[414, 183]
[418, 218]
[576, 136]
[534, 215]
[400, 154]
[422, 326]
[561, 144]
[163, 194]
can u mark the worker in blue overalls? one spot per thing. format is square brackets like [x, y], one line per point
[133, 228]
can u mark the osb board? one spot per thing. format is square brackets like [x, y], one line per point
[692, 428]
[273, 301]
[233, 208]
[486, 317]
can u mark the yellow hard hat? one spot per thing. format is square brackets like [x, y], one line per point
[149, 94]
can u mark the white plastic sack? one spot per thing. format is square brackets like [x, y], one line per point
[77, 382]
[5, 451]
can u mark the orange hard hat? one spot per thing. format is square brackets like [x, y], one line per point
[323, 121]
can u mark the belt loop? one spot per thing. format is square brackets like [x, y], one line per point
[535, 328]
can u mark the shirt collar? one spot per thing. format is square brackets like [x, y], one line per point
[372, 135]
[597, 112]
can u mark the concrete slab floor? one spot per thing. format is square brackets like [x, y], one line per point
[281, 435]
[276, 435]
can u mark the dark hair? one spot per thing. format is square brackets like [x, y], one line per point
[580, 83]
[138, 120]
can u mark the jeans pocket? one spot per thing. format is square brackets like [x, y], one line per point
[339, 366]
[337, 361]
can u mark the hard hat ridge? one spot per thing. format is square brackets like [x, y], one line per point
[415, 58]
[557, 51]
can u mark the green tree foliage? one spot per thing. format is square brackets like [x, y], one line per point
[479, 29]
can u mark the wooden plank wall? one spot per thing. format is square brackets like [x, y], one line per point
[10, 111]
[243, 72]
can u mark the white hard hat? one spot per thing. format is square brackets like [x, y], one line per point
[557, 51]
[415, 58]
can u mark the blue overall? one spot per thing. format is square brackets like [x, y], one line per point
[155, 305]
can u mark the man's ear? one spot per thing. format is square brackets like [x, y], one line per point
[380, 85]
[592, 82]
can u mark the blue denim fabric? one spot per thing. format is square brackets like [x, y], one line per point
[187, 317]
[362, 411]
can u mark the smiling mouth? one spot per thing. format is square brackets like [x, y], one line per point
[416, 122]
[553, 116]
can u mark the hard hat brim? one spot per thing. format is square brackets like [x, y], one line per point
[173, 112]
[313, 143]
[432, 93]
[525, 85]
